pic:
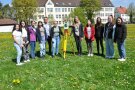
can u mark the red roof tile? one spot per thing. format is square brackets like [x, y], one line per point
[121, 10]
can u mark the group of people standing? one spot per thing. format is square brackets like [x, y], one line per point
[24, 36]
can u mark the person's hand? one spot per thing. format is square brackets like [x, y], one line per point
[81, 39]
[21, 46]
[27, 42]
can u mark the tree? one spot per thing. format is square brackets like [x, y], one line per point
[131, 11]
[80, 13]
[6, 11]
[89, 7]
[24, 9]
[0, 10]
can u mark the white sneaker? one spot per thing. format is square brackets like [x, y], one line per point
[122, 59]
[25, 61]
[91, 55]
[28, 60]
[88, 54]
[19, 64]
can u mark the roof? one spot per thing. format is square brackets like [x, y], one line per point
[121, 10]
[106, 3]
[7, 22]
[71, 3]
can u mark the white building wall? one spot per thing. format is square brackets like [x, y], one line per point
[104, 13]
[58, 15]
[6, 28]
[125, 17]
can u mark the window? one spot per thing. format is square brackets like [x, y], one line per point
[68, 9]
[50, 9]
[39, 16]
[50, 16]
[59, 22]
[40, 10]
[108, 9]
[65, 15]
[101, 14]
[62, 9]
[59, 16]
[49, 3]
[107, 14]
[65, 9]
[62, 15]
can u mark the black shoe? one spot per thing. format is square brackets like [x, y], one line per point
[52, 56]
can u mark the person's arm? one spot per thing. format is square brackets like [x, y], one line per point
[124, 33]
[14, 37]
[82, 33]
[61, 31]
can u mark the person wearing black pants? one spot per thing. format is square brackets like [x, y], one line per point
[99, 30]
[47, 26]
[77, 30]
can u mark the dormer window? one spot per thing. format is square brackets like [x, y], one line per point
[49, 3]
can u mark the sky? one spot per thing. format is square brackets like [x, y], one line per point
[116, 3]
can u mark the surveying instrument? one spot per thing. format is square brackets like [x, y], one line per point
[67, 38]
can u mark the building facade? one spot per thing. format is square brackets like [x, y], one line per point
[122, 12]
[60, 9]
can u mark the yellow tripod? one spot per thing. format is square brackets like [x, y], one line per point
[64, 43]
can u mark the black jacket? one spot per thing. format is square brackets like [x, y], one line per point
[109, 27]
[81, 33]
[120, 32]
[99, 30]
[38, 34]
[52, 31]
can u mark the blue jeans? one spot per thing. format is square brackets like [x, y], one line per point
[32, 48]
[42, 46]
[19, 52]
[121, 48]
[109, 48]
[55, 45]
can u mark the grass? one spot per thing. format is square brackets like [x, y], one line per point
[73, 73]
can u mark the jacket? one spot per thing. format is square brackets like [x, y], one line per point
[99, 30]
[81, 33]
[92, 33]
[120, 33]
[108, 28]
[38, 34]
[52, 31]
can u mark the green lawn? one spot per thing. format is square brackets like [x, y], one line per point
[73, 73]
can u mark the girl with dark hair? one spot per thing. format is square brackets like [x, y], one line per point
[99, 30]
[18, 42]
[77, 30]
[32, 38]
[119, 38]
[109, 37]
[89, 33]
[42, 37]
[25, 41]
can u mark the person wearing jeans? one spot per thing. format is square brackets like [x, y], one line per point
[32, 38]
[55, 34]
[119, 37]
[109, 37]
[18, 42]
[42, 37]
